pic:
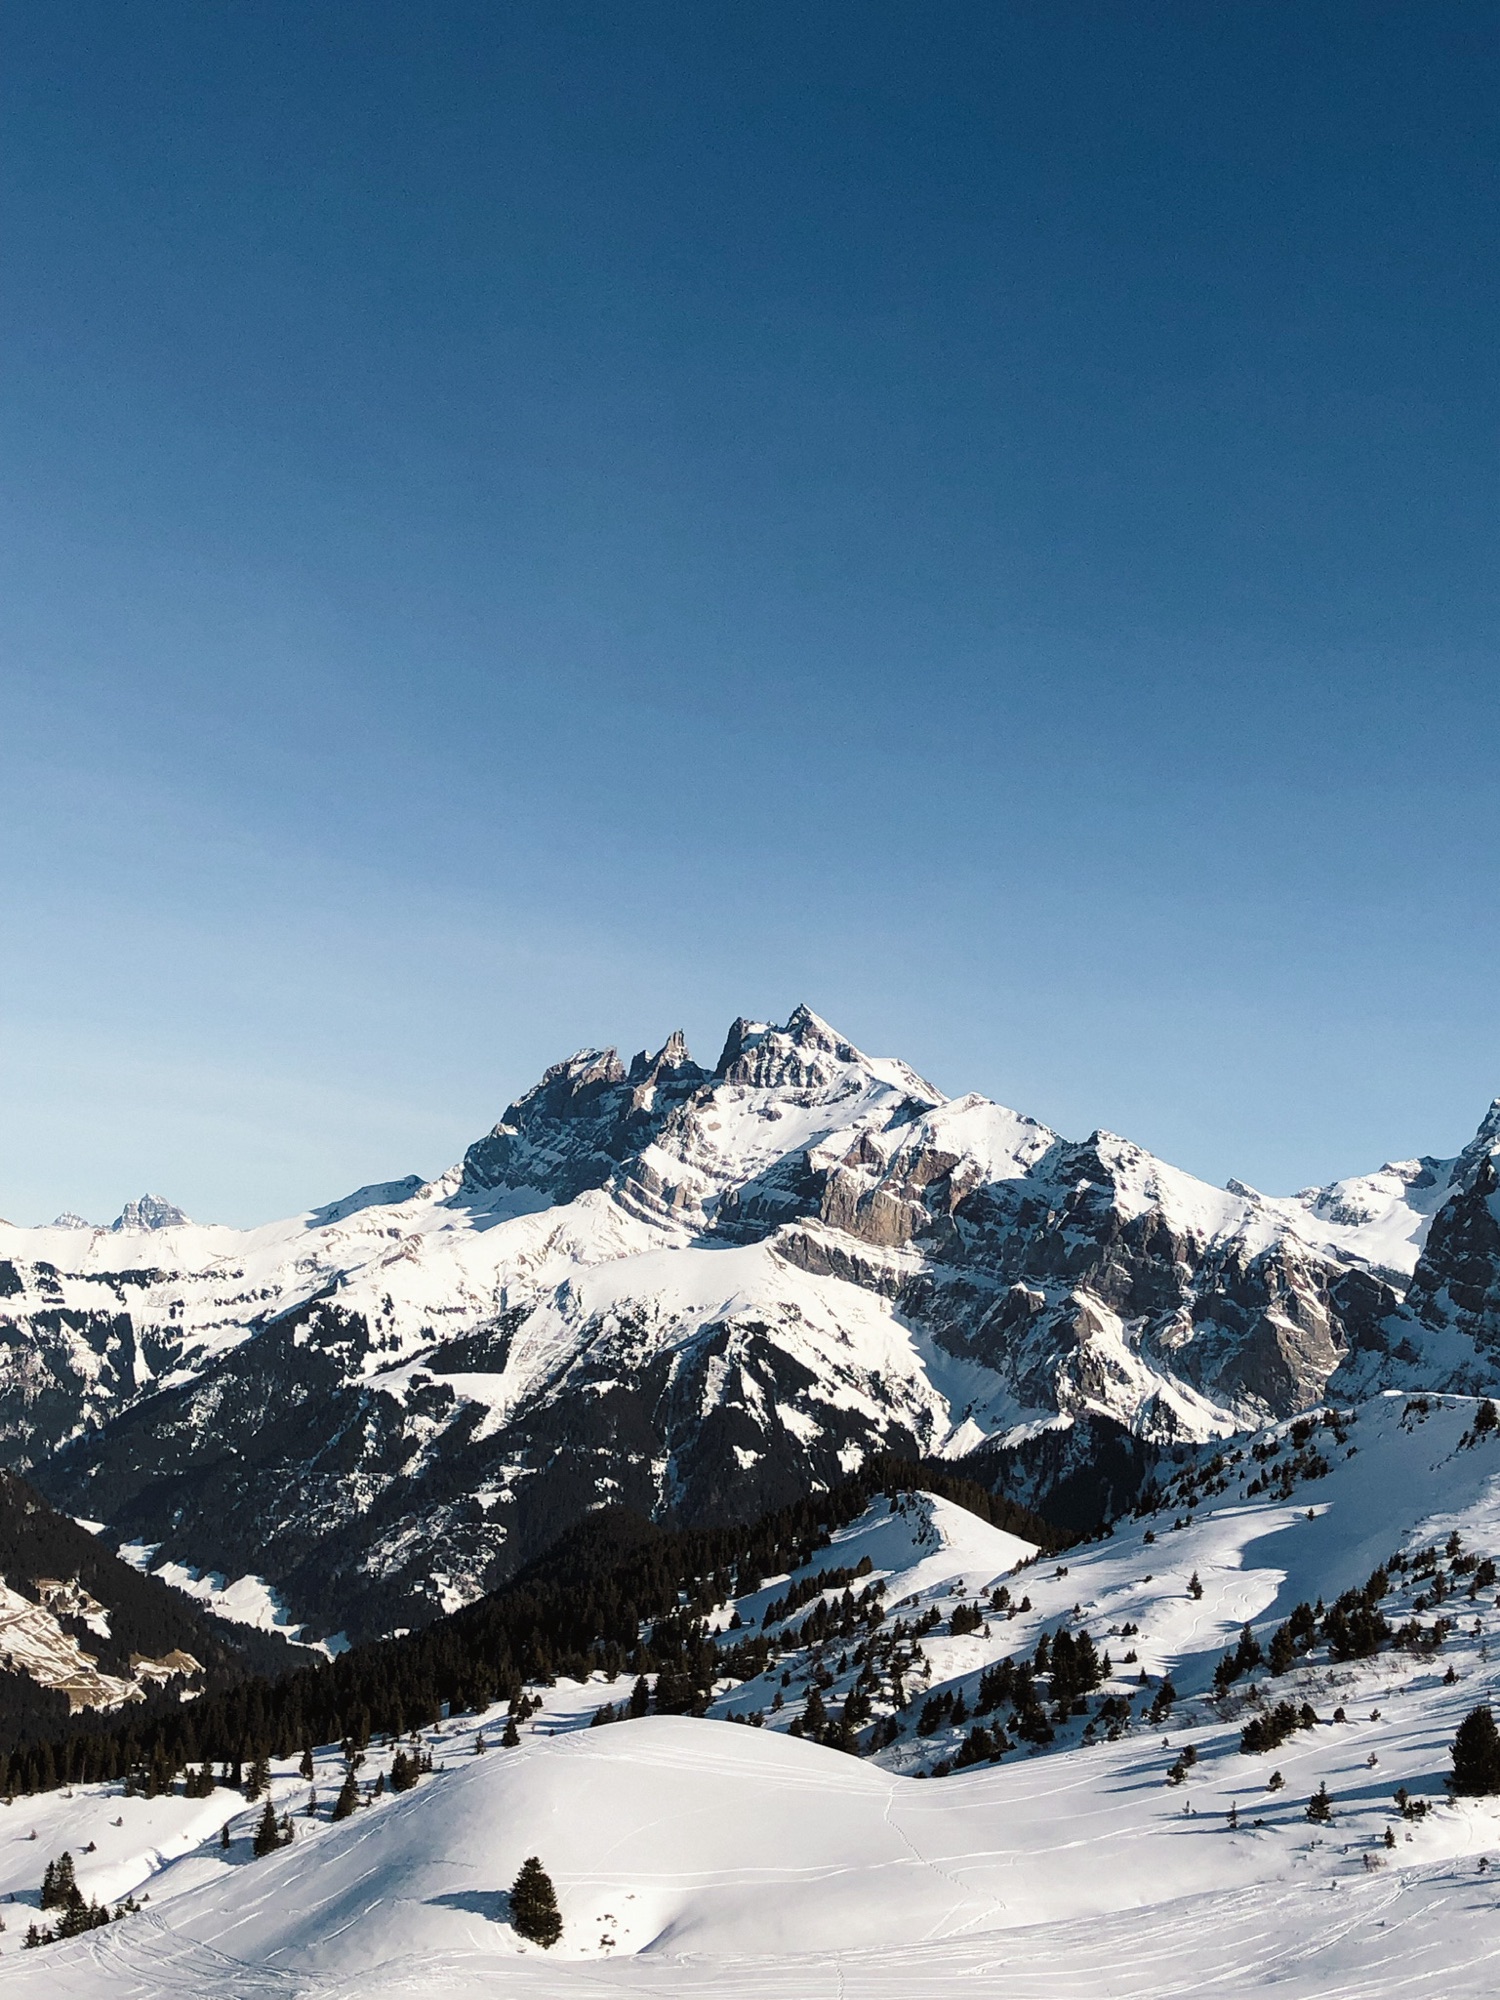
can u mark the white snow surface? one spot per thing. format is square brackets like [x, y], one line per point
[696, 1858]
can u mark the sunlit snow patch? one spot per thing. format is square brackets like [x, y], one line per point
[249, 1600]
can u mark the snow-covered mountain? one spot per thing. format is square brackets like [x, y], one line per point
[697, 1292]
[1135, 1843]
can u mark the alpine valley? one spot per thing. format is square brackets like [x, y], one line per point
[699, 1294]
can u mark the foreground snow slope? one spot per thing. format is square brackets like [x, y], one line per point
[693, 1857]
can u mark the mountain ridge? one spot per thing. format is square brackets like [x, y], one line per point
[698, 1292]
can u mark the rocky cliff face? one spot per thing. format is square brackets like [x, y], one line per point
[698, 1292]
[1456, 1284]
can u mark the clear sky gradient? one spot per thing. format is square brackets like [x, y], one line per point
[534, 525]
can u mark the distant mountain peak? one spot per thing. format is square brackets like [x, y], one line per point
[150, 1212]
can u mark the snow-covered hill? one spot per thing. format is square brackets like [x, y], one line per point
[697, 1293]
[1134, 1856]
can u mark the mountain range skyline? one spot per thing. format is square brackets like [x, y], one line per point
[152, 1209]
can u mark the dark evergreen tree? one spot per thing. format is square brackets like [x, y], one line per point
[59, 1883]
[267, 1833]
[305, 1768]
[348, 1797]
[1476, 1755]
[1320, 1807]
[533, 1905]
[512, 1738]
[78, 1917]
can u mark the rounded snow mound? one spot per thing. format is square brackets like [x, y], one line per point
[667, 1834]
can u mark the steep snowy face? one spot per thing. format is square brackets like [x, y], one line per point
[695, 1292]
[1379, 1220]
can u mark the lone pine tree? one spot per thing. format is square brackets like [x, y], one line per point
[1320, 1806]
[267, 1833]
[1476, 1755]
[533, 1905]
[348, 1797]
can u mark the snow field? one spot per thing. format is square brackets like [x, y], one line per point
[690, 1856]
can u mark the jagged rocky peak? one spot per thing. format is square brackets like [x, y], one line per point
[590, 1117]
[756, 1052]
[1484, 1145]
[671, 1058]
[150, 1212]
[1457, 1279]
[806, 1054]
[68, 1220]
[571, 1131]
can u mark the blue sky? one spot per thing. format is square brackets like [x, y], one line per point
[527, 526]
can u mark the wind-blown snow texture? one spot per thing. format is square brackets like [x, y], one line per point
[703, 1859]
[696, 1292]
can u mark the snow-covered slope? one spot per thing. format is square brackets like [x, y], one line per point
[1136, 1854]
[697, 1292]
